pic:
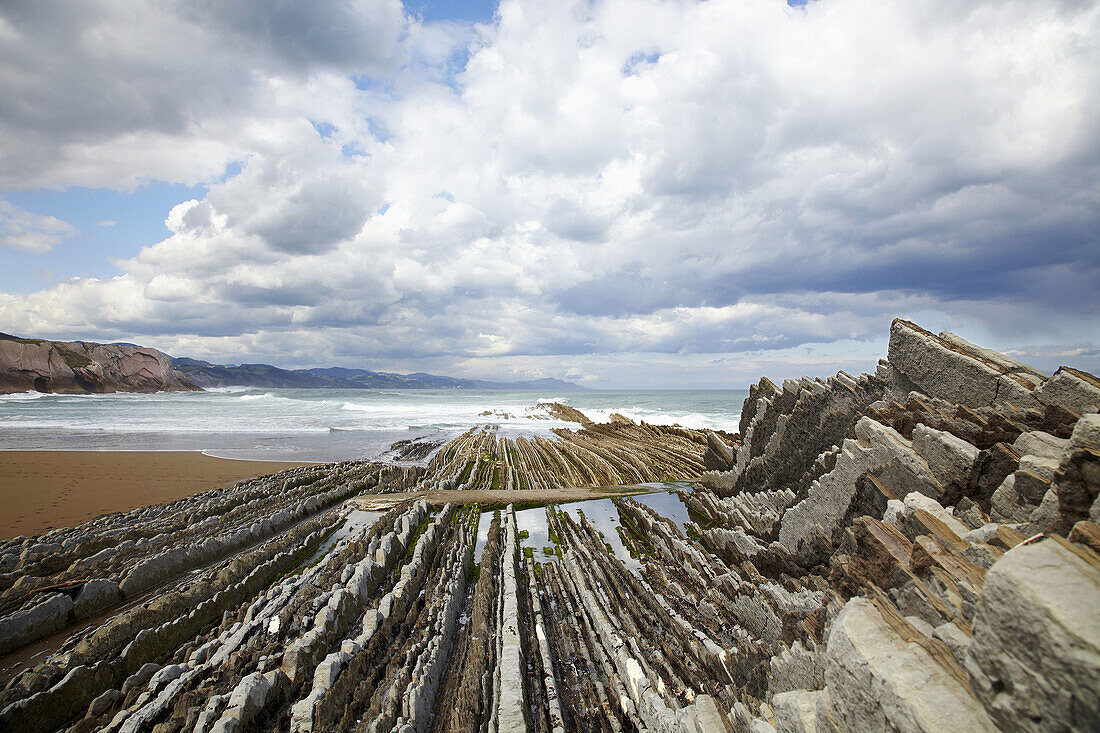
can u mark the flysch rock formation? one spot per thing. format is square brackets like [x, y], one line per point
[82, 367]
[611, 454]
[915, 550]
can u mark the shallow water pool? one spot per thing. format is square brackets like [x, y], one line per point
[601, 512]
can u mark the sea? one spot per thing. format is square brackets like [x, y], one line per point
[327, 424]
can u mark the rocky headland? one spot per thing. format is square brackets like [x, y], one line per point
[77, 367]
[910, 550]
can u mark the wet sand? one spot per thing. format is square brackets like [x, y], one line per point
[40, 490]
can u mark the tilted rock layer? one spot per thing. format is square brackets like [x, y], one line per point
[79, 366]
[914, 550]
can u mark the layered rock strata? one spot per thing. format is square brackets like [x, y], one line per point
[610, 454]
[868, 556]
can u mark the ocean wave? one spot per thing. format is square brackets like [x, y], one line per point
[693, 420]
[22, 396]
[255, 397]
[552, 400]
[290, 411]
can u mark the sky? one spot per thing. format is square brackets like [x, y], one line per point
[625, 194]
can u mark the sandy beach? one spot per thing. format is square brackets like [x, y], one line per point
[40, 490]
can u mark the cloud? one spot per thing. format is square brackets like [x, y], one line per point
[22, 230]
[575, 182]
[114, 94]
[106, 223]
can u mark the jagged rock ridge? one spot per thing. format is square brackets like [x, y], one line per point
[860, 557]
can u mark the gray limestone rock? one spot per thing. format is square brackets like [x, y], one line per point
[1077, 480]
[970, 514]
[796, 711]
[1038, 443]
[1006, 504]
[29, 624]
[141, 677]
[156, 569]
[720, 482]
[245, 702]
[1072, 389]
[950, 368]
[103, 703]
[1035, 658]
[878, 681]
[719, 456]
[921, 625]
[96, 595]
[955, 639]
[916, 500]
[1086, 433]
[875, 447]
[949, 458]
[1046, 516]
[1044, 468]
[989, 471]
[87, 562]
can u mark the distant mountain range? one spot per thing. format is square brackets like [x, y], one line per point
[84, 366]
[205, 374]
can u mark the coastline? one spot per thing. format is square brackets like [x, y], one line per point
[40, 490]
[800, 559]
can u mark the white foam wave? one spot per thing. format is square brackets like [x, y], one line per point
[21, 396]
[693, 420]
[255, 397]
[292, 411]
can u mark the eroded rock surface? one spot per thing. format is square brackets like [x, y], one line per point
[80, 366]
[914, 550]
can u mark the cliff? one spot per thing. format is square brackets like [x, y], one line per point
[81, 367]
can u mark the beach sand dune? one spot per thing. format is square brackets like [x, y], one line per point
[40, 490]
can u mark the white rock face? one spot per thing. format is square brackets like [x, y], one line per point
[1035, 658]
[796, 711]
[1038, 443]
[948, 456]
[1086, 433]
[951, 368]
[1070, 389]
[915, 501]
[510, 694]
[878, 681]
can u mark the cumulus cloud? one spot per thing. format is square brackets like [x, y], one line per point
[108, 93]
[20, 229]
[573, 182]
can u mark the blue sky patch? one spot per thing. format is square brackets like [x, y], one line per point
[138, 221]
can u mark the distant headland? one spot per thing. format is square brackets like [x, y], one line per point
[75, 367]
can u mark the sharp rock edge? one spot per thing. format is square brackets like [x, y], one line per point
[910, 550]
